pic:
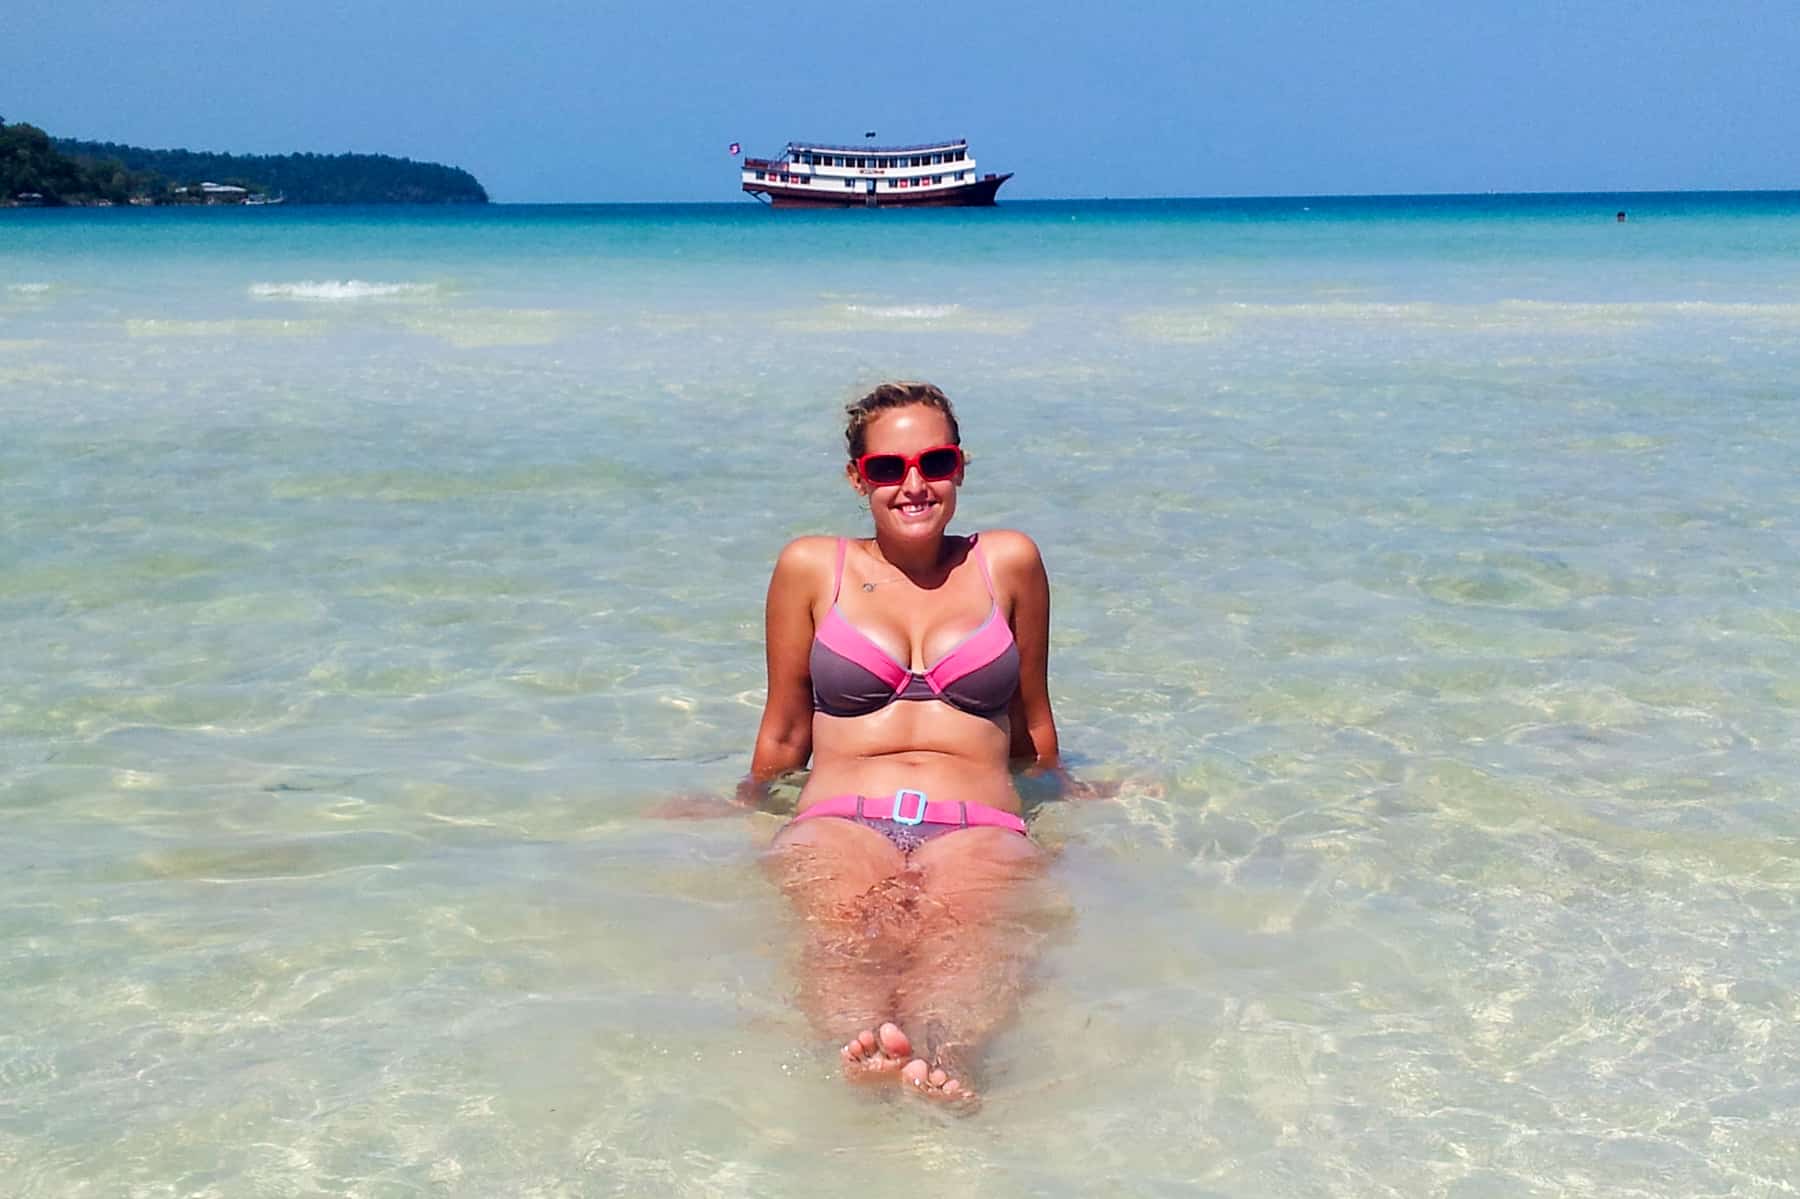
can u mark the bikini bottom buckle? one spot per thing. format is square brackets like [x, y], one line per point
[900, 796]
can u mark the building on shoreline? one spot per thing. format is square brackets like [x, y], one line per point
[211, 193]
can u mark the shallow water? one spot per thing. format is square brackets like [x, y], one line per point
[1425, 570]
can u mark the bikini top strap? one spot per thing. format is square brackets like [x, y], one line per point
[837, 582]
[981, 561]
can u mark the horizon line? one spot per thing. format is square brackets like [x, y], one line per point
[1793, 190]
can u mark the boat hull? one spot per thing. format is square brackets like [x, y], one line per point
[979, 194]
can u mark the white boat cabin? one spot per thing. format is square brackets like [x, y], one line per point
[867, 170]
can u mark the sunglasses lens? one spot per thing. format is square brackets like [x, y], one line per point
[939, 464]
[884, 470]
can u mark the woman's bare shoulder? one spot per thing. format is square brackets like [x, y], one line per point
[806, 558]
[1009, 550]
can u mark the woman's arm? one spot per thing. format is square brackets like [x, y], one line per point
[784, 739]
[1020, 567]
[1033, 723]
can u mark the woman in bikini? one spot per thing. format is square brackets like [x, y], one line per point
[909, 669]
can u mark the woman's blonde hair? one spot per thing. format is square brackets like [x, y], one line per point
[886, 398]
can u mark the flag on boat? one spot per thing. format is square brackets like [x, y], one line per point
[734, 148]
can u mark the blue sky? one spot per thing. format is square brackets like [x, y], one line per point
[564, 101]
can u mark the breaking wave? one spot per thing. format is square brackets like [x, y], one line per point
[28, 289]
[339, 289]
[906, 312]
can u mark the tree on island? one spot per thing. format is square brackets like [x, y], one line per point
[300, 178]
[33, 171]
[38, 169]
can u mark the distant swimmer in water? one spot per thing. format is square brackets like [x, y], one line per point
[1621, 217]
[909, 668]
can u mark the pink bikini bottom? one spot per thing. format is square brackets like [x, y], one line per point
[911, 819]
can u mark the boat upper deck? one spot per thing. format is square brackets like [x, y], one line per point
[955, 143]
[805, 157]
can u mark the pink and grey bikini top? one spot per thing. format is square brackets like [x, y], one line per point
[852, 676]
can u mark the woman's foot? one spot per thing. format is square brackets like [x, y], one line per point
[884, 1050]
[935, 1082]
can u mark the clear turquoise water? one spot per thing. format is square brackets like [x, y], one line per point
[1426, 570]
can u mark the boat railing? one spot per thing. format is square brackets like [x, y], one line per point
[961, 143]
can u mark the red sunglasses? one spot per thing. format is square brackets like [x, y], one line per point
[936, 464]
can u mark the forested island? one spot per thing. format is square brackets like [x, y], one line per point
[39, 170]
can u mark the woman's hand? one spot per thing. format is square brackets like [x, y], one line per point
[1066, 786]
[749, 795]
[1074, 788]
[694, 805]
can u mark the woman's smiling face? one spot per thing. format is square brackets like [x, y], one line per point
[913, 507]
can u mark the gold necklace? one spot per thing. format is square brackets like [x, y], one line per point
[882, 582]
